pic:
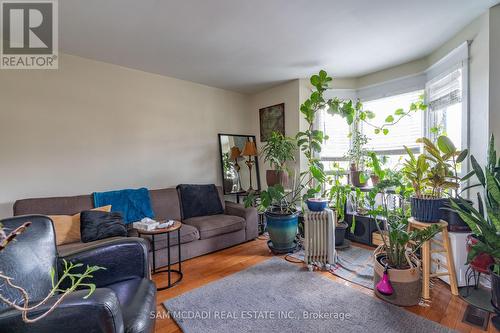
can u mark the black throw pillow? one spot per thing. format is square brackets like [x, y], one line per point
[95, 225]
[199, 200]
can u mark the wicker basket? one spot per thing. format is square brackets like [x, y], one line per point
[407, 283]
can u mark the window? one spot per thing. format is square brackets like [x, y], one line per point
[405, 132]
[444, 99]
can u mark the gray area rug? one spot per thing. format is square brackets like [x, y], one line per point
[278, 296]
[354, 264]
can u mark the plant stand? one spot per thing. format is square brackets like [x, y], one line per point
[444, 247]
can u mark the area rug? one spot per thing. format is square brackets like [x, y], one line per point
[354, 264]
[278, 296]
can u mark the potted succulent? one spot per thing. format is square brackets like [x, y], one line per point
[337, 196]
[431, 176]
[396, 257]
[277, 151]
[485, 222]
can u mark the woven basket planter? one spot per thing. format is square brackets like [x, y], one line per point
[407, 283]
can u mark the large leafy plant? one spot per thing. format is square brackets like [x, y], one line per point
[399, 244]
[484, 222]
[435, 173]
[278, 150]
[338, 192]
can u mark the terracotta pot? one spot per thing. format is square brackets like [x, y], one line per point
[407, 283]
[274, 177]
[375, 179]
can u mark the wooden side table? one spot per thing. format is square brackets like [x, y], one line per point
[444, 247]
[176, 227]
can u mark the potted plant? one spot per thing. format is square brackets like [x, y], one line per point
[357, 155]
[397, 255]
[431, 177]
[375, 165]
[277, 151]
[337, 196]
[280, 206]
[485, 222]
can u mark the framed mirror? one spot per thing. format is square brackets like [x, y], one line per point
[239, 163]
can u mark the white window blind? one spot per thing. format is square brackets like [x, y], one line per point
[338, 143]
[444, 99]
[404, 133]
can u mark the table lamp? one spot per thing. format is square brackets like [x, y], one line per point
[234, 156]
[249, 150]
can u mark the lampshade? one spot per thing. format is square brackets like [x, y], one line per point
[235, 153]
[250, 149]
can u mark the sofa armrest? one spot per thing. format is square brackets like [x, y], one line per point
[98, 313]
[249, 214]
[123, 258]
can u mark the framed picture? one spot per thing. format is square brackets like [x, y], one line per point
[272, 118]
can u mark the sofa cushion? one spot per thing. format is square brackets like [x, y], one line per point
[199, 200]
[165, 203]
[213, 225]
[97, 225]
[54, 205]
[188, 234]
[67, 227]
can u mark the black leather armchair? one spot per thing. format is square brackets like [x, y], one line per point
[125, 298]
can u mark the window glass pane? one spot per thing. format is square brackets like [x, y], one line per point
[404, 133]
[338, 131]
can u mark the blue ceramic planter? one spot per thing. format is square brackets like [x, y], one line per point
[316, 205]
[427, 210]
[282, 229]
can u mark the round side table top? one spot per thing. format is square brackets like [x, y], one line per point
[177, 225]
[419, 224]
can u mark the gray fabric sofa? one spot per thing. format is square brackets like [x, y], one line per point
[199, 235]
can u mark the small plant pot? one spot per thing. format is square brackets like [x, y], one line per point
[354, 178]
[407, 283]
[427, 209]
[317, 205]
[282, 229]
[274, 177]
[375, 179]
[340, 231]
[455, 222]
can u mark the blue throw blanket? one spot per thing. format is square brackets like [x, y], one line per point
[134, 205]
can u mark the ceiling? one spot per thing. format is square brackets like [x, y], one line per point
[250, 45]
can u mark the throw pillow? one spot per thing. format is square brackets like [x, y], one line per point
[67, 227]
[97, 225]
[199, 200]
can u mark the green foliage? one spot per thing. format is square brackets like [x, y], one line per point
[484, 224]
[400, 242]
[338, 192]
[77, 279]
[434, 173]
[278, 150]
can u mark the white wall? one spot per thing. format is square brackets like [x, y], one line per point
[92, 126]
[494, 86]
[287, 93]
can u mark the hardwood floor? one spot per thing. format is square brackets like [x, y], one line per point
[445, 308]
